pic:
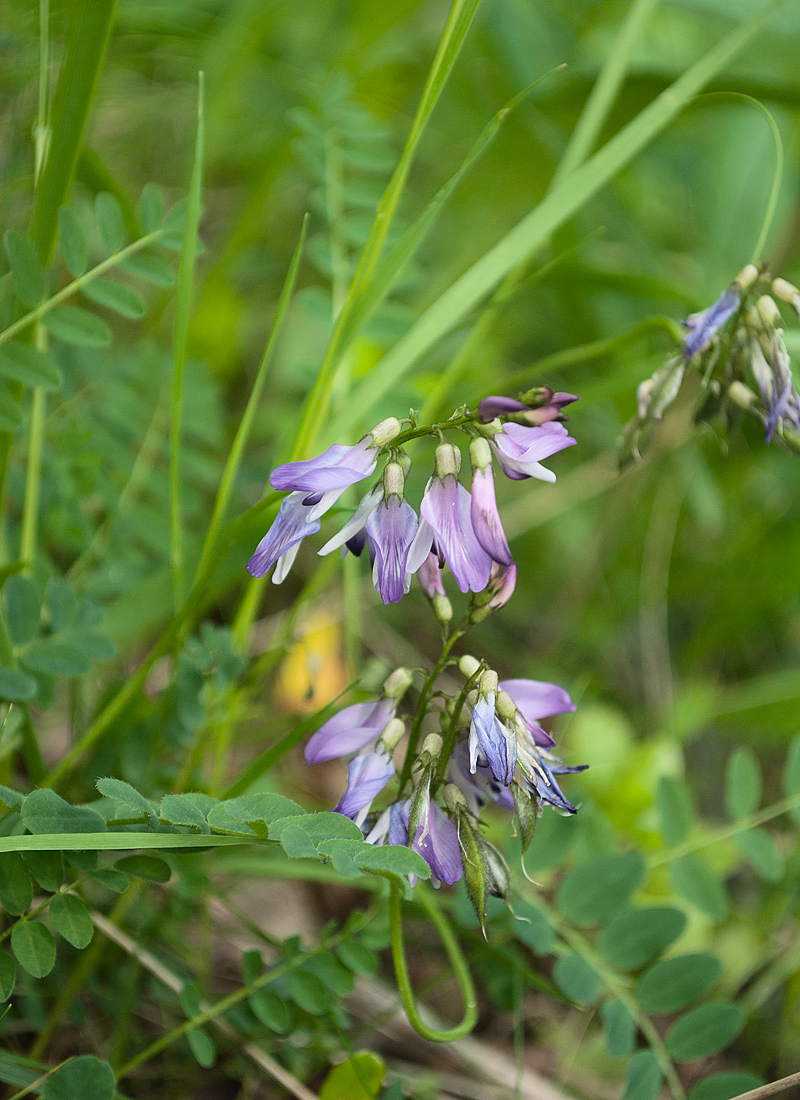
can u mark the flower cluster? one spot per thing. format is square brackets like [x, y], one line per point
[456, 527]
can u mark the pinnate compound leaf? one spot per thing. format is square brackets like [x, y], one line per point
[44, 811]
[70, 918]
[705, 1030]
[8, 975]
[55, 658]
[115, 296]
[644, 1077]
[762, 852]
[697, 883]
[72, 241]
[74, 325]
[47, 868]
[674, 983]
[181, 809]
[577, 979]
[10, 798]
[675, 810]
[110, 222]
[307, 991]
[724, 1086]
[635, 936]
[28, 365]
[82, 1078]
[358, 1077]
[320, 826]
[595, 890]
[533, 928]
[150, 268]
[34, 947]
[270, 1010]
[26, 268]
[150, 868]
[150, 208]
[620, 1029]
[16, 686]
[123, 792]
[22, 608]
[239, 814]
[16, 889]
[743, 784]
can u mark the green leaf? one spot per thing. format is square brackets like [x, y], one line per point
[10, 798]
[28, 365]
[44, 811]
[95, 646]
[116, 296]
[644, 1077]
[180, 809]
[635, 936]
[16, 686]
[703, 1031]
[10, 412]
[55, 658]
[189, 997]
[22, 608]
[47, 868]
[16, 890]
[593, 891]
[333, 974]
[760, 849]
[34, 947]
[307, 991]
[202, 1047]
[743, 784]
[234, 814]
[620, 1029]
[252, 966]
[697, 883]
[674, 983]
[150, 208]
[675, 810]
[577, 979]
[70, 918]
[123, 792]
[358, 1077]
[393, 859]
[26, 268]
[72, 241]
[61, 604]
[77, 326]
[320, 826]
[150, 268]
[357, 957]
[110, 222]
[533, 928]
[112, 879]
[297, 844]
[270, 1010]
[82, 1078]
[150, 868]
[8, 974]
[724, 1086]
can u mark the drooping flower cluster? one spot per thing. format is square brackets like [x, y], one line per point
[456, 527]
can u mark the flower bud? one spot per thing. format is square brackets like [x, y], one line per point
[442, 608]
[746, 277]
[393, 479]
[505, 706]
[480, 453]
[784, 290]
[454, 799]
[448, 460]
[741, 395]
[468, 666]
[768, 311]
[392, 733]
[404, 462]
[494, 406]
[386, 431]
[397, 683]
[488, 682]
[432, 745]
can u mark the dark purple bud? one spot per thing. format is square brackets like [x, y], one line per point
[491, 407]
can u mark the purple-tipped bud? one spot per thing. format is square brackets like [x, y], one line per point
[429, 576]
[494, 406]
[502, 585]
[702, 326]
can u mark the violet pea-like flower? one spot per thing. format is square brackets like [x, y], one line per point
[294, 522]
[520, 449]
[351, 730]
[368, 774]
[483, 505]
[437, 843]
[537, 699]
[389, 828]
[391, 528]
[545, 786]
[702, 326]
[489, 738]
[478, 786]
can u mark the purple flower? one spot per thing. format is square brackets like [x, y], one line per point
[355, 524]
[776, 384]
[489, 739]
[437, 843]
[391, 528]
[485, 517]
[478, 787]
[389, 828]
[329, 474]
[537, 699]
[520, 449]
[429, 575]
[445, 507]
[368, 774]
[350, 730]
[502, 584]
[294, 521]
[551, 408]
[702, 326]
[544, 784]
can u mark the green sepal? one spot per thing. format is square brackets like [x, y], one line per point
[525, 807]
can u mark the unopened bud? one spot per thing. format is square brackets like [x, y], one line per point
[768, 311]
[480, 454]
[468, 666]
[741, 395]
[488, 682]
[504, 706]
[393, 479]
[386, 431]
[392, 733]
[442, 608]
[432, 745]
[454, 799]
[404, 462]
[746, 277]
[448, 460]
[539, 395]
[397, 683]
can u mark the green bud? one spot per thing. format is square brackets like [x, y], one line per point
[432, 746]
[468, 666]
[448, 460]
[442, 608]
[488, 682]
[746, 277]
[397, 684]
[393, 732]
[386, 431]
[526, 808]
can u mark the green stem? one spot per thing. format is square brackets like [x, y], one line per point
[457, 961]
[31, 753]
[183, 307]
[30, 508]
[424, 700]
[42, 134]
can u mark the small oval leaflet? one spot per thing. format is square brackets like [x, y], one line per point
[644, 1077]
[202, 1047]
[759, 847]
[8, 974]
[620, 1029]
[44, 811]
[357, 958]
[698, 884]
[74, 325]
[34, 947]
[22, 608]
[29, 365]
[674, 983]
[72, 241]
[150, 208]
[16, 686]
[675, 810]
[724, 1086]
[55, 658]
[593, 891]
[703, 1031]
[110, 222]
[82, 1078]
[635, 936]
[307, 991]
[115, 296]
[577, 979]
[70, 918]
[743, 784]
[16, 891]
[270, 1010]
[47, 868]
[150, 868]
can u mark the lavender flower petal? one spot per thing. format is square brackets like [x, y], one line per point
[429, 575]
[356, 522]
[519, 449]
[391, 528]
[337, 468]
[494, 406]
[446, 507]
[349, 731]
[368, 774]
[486, 518]
[439, 846]
[489, 737]
[292, 524]
[702, 326]
[537, 699]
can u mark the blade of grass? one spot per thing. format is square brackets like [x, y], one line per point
[534, 229]
[183, 306]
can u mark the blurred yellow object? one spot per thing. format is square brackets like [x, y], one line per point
[313, 672]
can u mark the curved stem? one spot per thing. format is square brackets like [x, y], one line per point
[454, 954]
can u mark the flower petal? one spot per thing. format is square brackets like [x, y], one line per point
[391, 528]
[486, 518]
[368, 774]
[348, 731]
[537, 699]
[291, 525]
[446, 507]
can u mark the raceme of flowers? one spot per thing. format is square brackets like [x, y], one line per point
[455, 527]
